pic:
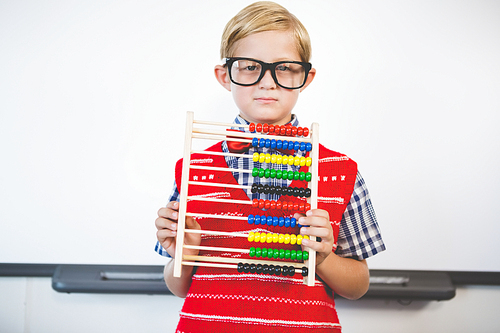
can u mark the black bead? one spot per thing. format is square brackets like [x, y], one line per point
[252, 268]
[266, 189]
[240, 267]
[279, 190]
[265, 269]
[277, 270]
[285, 270]
[291, 271]
[304, 271]
[308, 192]
[271, 269]
[302, 192]
[272, 189]
[258, 269]
[254, 188]
[296, 192]
[246, 268]
[260, 188]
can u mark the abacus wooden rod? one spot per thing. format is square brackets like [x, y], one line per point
[218, 138]
[245, 135]
[226, 217]
[215, 233]
[219, 185]
[200, 167]
[207, 264]
[215, 248]
[238, 260]
[214, 123]
[240, 202]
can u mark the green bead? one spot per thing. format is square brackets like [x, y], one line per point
[299, 255]
[264, 252]
[255, 172]
[293, 255]
[276, 253]
[308, 176]
[282, 254]
[302, 175]
[258, 252]
[305, 255]
[279, 174]
[261, 172]
[290, 175]
[273, 173]
[296, 175]
[287, 254]
[270, 253]
[252, 252]
[267, 173]
[284, 175]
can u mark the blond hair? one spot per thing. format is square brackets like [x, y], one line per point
[264, 16]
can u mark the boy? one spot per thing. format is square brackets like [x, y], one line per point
[266, 51]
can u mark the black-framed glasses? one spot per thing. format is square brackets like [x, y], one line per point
[286, 74]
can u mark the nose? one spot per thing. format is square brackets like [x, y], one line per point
[267, 81]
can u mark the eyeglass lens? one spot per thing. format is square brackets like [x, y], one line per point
[288, 75]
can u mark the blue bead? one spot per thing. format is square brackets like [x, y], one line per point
[257, 219]
[268, 143]
[269, 220]
[293, 222]
[296, 145]
[255, 142]
[262, 143]
[285, 144]
[281, 221]
[279, 144]
[287, 222]
[273, 144]
[275, 221]
[251, 219]
[309, 146]
[302, 146]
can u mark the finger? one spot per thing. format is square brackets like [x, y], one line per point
[165, 235]
[163, 223]
[174, 205]
[168, 213]
[192, 224]
[318, 213]
[323, 233]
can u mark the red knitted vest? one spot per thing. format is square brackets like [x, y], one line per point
[223, 300]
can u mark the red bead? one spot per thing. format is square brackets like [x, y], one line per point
[288, 131]
[282, 130]
[265, 128]
[273, 204]
[267, 204]
[261, 203]
[300, 131]
[302, 206]
[251, 127]
[291, 206]
[259, 128]
[271, 129]
[307, 207]
[296, 206]
[255, 203]
[306, 131]
[284, 205]
[278, 204]
[294, 131]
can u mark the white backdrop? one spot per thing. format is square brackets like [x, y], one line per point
[93, 97]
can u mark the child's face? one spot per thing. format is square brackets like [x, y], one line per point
[265, 101]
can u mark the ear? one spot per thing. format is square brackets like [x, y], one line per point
[222, 76]
[310, 77]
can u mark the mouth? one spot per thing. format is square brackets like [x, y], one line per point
[266, 100]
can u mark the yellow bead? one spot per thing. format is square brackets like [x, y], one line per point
[279, 159]
[296, 161]
[306, 237]
[291, 160]
[255, 157]
[302, 161]
[263, 237]
[268, 158]
[269, 238]
[256, 237]
[308, 161]
[275, 238]
[281, 238]
[285, 159]
[251, 236]
[293, 239]
[287, 239]
[262, 157]
[299, 239]
[273, 158]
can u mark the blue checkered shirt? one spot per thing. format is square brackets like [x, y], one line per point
[359, 233]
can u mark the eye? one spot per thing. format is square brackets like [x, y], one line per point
[282, 68]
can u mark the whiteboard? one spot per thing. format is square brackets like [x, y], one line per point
[93, 96]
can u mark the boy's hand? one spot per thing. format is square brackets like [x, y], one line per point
[166, 223]
[318, 222]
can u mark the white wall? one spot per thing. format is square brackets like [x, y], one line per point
[29, 305]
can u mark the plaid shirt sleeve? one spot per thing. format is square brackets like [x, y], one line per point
[174, 196]
[359, 235]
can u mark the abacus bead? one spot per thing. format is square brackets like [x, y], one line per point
[278, 204]
[294, 130]
[296, 175]
[262, 157]
[256, 237]
[284, 159]
[255, 142]
[265, 269]
[282, 130]
[276, 253]
[287, 254]
[258, 252]
[293, 222]
[296, 191]
[305, 255]
[306, 131]
[302, 175]
[291, 271]
[252, 252]
[251, 236]
[275, 219]
[307, 207]
[309, 146]
[273, 158]
[269, 220]
[254, 188]
[307, 192]
[277, 270]
[252, 268]
[268, 143]
[287, 239]
[262, 188]
[267, 204]
[275, 238]
[255, 203]
[296, 145]
[265, 128]
[261, 203]
[262, 143]
[284, 205]
[271, 269]
[287, 222]
[281, 221]
[296, 161]
[273, 206]
[289, 131]
[263, 237]
[290, 173]
[302, 146]
[255, 172]
[299, 239]
[282, 254]
[293, 206]
[270, 253]
[285, 144]
[308, 161]
[299, 255]
[285, 270]
[251, 219]
[258, 127]
[302, 161]
[302, 206]
[284, 174]
[279, 144]
[246, 268]
[302, 192]
[255, 157]
[268, 158]
[279, 159]
[262, 172]
[269, 238]
[293, 255]
[293, 239]
[258, 269]
[257, 219]
[271, 129]
[291, 160]
[304, 271]
[272, 174]
[307, 237]
[267, 173]
[273, 144]
[251, 127]
[281, 238]
[308, 176]
[240, 267]
[264, 252]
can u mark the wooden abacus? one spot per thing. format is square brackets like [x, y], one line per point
[308, 139]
